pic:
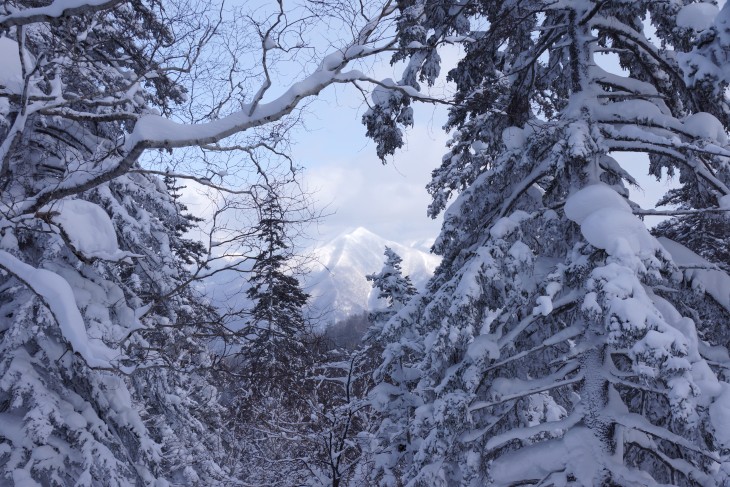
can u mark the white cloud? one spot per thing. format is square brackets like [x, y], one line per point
[349, 180]
[390, 200]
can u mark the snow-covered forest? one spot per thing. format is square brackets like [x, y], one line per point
[569, 336]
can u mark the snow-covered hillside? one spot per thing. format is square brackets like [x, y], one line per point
[337, 281]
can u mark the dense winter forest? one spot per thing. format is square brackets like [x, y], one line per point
[563, 340]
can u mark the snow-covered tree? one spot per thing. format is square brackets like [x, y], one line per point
[104, 361]
[557, 343]
[390, 399]
[274, 352]
[393, 291]
[63, 388]
[101, 381]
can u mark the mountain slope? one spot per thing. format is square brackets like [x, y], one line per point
[337, 280]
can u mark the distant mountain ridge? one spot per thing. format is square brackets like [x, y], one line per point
[337, 282]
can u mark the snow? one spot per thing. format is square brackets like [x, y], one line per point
[685, 325]
[631, 110]
[59, 297]
[697, 16]
[88, 228]
[381, 396]
[381, 95]
[11, 75]
[55, 9]
[23, 477]
[607, 223]
[269, 43]
[720, 417]
[157, 131]
[724, 202]
[706, 126]
[337, 283]
[8, 240]
[617, 232]
[592, 198]
[544, 306]
[483, 346]
[653, 338]
[520, 252]
[699, 272]
[590, 304]
[514, 138]
[503, 227]
[576, 453]
[506, 225]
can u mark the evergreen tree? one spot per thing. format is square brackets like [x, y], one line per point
[274, 350]
[392, 287]
[556, 344]
[104, 380]
[390, 399]
[189, 250]
[272, 398]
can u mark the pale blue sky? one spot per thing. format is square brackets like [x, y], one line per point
[391, 200]
[341, 164]
[349, 183]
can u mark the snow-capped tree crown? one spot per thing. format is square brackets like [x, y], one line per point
[392, 287]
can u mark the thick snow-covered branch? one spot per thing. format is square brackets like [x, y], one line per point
[635, 421]
[553, 385]
[559, 304]
[550, 382]
[57, 295]
[566, 334]
[57, 9]
[643, 441]
[530, 431]
[409, 91]
[629, 145]
[158, 132]
[638, 42]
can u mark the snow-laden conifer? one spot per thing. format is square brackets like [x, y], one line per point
[274, 352]
[393, 291]
[558, 343]
[389, 352]
[103, 378]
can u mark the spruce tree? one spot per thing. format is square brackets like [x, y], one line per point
[274, 350]
[388, 350]
[557, 343]
[189, 250]
[272, 400]
[393, 290]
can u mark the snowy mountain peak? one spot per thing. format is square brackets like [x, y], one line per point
[360, 232]
[337, 281]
